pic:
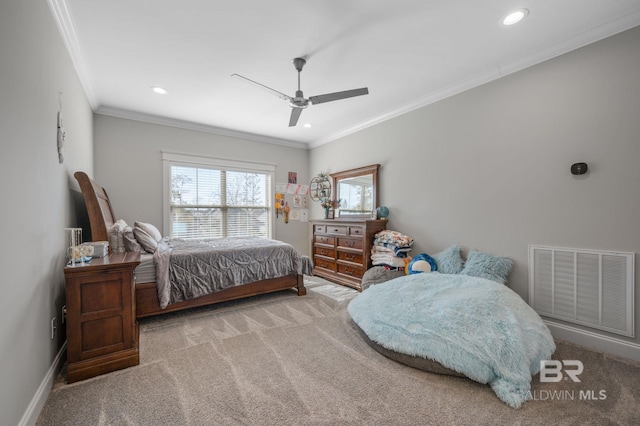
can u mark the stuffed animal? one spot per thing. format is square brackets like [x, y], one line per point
[407, 261]
[421, 263]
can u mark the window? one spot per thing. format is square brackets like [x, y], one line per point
[214, 198]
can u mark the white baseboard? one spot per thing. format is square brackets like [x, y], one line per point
[30, 416]
[599, 342]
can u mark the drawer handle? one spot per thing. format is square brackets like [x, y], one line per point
[324, 252]
[348, 271]
[349, 257]
[335, 230]
[349, 243]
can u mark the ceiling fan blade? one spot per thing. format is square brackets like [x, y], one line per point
[275, 92]
[295, 114]
[338, 95]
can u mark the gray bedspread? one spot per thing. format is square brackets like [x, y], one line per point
[186, 269]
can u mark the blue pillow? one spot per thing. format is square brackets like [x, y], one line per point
[449, 261]
[487, 266]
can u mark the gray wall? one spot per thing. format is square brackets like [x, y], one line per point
[489, 168]
[128, 157]
[37, 200]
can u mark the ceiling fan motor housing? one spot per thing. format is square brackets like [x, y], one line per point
[299, 101]
[299, 63]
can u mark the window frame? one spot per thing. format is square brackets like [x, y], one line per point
[175, 159]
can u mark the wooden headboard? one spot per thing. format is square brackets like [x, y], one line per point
[99, 208]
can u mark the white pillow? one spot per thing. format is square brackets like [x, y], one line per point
[146, 241]
[151, 230]
[116, 236]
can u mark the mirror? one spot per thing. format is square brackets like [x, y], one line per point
[357, 191]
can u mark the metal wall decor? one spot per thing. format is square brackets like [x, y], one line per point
[320, 188]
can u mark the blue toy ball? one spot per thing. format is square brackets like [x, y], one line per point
[422, 263]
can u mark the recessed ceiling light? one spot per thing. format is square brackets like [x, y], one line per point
[159, 90]
[515, 16]
[308, 125]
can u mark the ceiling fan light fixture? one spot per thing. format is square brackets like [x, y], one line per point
[515, 17]
[159, 90]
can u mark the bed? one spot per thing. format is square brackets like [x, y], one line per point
[148, 303]
[463, 322]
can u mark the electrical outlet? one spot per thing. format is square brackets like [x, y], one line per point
[53, 327]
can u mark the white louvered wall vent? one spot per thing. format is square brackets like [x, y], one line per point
[587, 287]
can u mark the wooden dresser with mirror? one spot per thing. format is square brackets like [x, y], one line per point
[341, 247]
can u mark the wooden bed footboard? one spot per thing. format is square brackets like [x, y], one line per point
[147, 294]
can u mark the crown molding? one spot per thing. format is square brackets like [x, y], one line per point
[417, 104]
[188, 125]
[63, 21]
[65, 25]
[586, 38]
[601, 32]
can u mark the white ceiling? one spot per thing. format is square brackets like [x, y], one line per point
[409, 53]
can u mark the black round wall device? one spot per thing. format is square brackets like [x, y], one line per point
[579, 168]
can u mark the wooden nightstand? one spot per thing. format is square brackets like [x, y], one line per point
[102, 331]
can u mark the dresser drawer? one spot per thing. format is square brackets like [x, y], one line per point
[351, 257]
[320, 229]
[351, 271]
[356, 230]
[324, 251]
[337, 230]
[324, 263]
[324, 239]
[354, 243]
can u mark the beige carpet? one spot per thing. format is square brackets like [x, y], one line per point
[281, 359]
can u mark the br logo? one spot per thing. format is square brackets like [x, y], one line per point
[552, 371]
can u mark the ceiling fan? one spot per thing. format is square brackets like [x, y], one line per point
[299, 102]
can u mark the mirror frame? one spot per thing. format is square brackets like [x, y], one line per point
[360, 171]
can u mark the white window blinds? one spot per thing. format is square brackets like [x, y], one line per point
[211, 200]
